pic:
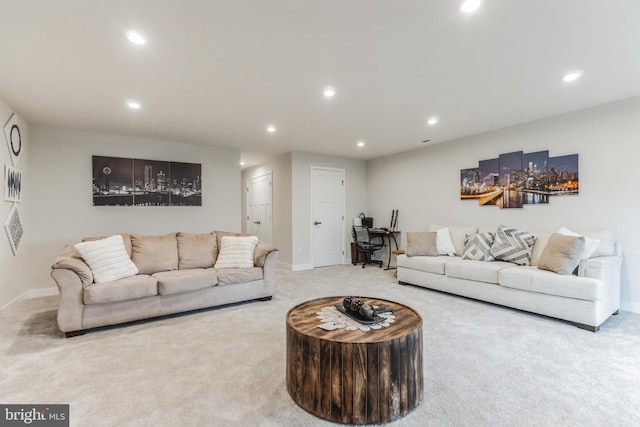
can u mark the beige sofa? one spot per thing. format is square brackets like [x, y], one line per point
[587, 298]
[175, 273]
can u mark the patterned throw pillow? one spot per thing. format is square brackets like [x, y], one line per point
[236, 252]
[513, 245]
[477, 246]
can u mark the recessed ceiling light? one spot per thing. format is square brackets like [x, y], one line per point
[329, 92]
[135, 38]
[134, 105]
[360, 144]
[433, 120]
[574, 75]
[271, 128]
[241, 163]
[470, 6]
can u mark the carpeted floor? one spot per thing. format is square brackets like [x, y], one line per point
[484, 365]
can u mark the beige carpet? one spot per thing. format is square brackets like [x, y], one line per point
[484, 365]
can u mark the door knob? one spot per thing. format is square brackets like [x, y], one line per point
[317, 223]
[256, 222]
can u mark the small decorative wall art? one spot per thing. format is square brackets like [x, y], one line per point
[14, 137]
[12, 184]
[516, 179]
[13, 227]
[121, 181]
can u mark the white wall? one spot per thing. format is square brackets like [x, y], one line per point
[62, 210]
[356, 201]
[281, 203]
[424, 184]
[14, 276]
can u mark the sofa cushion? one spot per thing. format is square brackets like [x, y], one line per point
[107, 258]
[606, 247]
[562, 253]
[590, 244]
[477, 246]
[197, 250]
[138, 286]
[236, 252]
[541, 241]
[229, 276]
[546, 282]
[221, 234]
[430, 264]
[478, 271]
[444, 243]
[152, 254]
[421, 244]
[513, 245]
[458, 234]
[173, 282]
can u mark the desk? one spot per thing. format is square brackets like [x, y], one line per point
[376, 232]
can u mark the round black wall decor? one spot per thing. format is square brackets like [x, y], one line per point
[15, 140]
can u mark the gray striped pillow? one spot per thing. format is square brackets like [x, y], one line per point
[477, 246]
[513, 245]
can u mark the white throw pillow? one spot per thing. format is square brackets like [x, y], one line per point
[107, 258]
[236, 252]
[444, 243]
[590, 244]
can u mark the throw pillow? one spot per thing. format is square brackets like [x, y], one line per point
[422, 244]
[444, 243]
[590, 244]
[562, 253]
[197, 250]
[513, 245]
[236, 252]
[477, 246]
[107, 258]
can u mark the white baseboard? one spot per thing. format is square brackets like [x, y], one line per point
[633, 307]
[32, 293]
[300, 267]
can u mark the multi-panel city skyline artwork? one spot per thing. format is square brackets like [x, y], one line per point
[515, 179]
[119, 181]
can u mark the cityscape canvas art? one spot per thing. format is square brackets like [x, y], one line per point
[121, 181]
[515, 179]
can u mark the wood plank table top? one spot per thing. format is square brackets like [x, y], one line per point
[355, 377]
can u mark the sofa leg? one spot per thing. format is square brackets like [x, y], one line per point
[588, 327]
[615, 313]
[72, 334]
[264, 299]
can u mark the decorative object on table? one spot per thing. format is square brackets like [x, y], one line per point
[13, 227]
[515, 179]
[12, 184]
[337, 317]
[121, 181]
[361, 311]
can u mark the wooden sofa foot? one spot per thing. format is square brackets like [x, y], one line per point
[72, 334]
[265, 299]
[588, 327]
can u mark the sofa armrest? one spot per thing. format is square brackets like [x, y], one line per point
[71, 306]
[605, 268]
[70, 259]
[261, 251]
[269, 271]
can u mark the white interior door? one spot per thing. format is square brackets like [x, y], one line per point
[327, 187]
[259, 207]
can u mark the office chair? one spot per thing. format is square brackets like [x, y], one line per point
[365, 246]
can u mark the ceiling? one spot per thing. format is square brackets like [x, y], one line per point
[218, 72]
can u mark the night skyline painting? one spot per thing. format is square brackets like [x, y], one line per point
[516, 179]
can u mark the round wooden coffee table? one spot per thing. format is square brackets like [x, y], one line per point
[355, 377]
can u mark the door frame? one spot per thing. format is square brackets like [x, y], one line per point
[311, 210]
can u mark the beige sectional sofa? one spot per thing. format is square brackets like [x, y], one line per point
[586, 297]
[167, 274]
